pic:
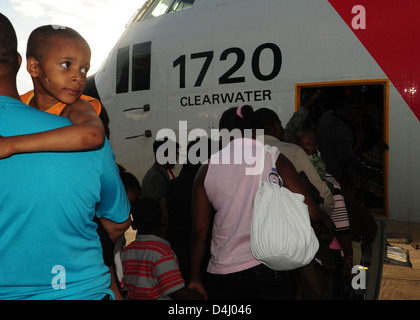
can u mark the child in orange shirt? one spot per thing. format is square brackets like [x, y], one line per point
[58, 59]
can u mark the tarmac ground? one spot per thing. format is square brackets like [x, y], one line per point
[402, 281]
[393, 280]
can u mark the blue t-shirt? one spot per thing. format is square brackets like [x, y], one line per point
[49, 247]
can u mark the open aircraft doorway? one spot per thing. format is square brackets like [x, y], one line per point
[370, 167]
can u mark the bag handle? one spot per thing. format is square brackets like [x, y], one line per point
[273, 151]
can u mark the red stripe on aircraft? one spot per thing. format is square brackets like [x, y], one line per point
[390, 36]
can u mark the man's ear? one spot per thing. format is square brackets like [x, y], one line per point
[19, 59]
[32, 65]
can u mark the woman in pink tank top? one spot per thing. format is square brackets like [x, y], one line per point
[227, 186]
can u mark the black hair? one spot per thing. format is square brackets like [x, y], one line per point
[42, 39]
[305, 131]
[237, 118]
[265, 118]
[348, 104]
[158, 142]
[8, 37]
[147, 215]
[130, 182]
[8, 43]
[196, 145]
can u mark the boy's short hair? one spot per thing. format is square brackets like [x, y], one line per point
[8, 37]
[42, 39]
[130, 182]
[265, 118]
[305, 131]
[8, 45]
[147, 215]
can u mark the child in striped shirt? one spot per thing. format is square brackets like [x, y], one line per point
[307, 141]
[150, 267]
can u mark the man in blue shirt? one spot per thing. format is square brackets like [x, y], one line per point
[49, 246]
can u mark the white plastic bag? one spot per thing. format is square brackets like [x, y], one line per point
[281, 233]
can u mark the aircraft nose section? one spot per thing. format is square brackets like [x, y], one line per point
[90, 89]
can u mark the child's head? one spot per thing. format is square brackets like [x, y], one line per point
[58, 59]
[307, 141]
[168, 154]
[131, 185]
[147, 216]
[9, 57]
[237, 118]
[267, 119]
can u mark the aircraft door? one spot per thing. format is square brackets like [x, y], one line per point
[370, 166]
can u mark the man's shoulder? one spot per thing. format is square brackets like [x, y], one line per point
[154, 173]
[12, 105]
[150, 173]
[25, 119]
[283, 146]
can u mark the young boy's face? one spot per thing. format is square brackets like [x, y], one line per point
[63, 70]
[308, 143]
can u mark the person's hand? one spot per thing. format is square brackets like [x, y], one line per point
[199, 288]
[6, 149]
[316, 95]
[308, 105]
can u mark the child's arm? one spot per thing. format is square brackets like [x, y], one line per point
[85, 133]
[90, 132]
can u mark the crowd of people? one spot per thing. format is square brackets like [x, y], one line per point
[69, 204]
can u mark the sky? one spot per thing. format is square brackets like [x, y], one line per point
[100, 22]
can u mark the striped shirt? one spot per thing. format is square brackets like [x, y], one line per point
[150, 269]
[340, 215]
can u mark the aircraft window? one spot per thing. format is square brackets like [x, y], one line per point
[157, 8]
[141, 66]
[179, 5]
[122, 69]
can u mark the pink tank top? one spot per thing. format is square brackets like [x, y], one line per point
[231, 192]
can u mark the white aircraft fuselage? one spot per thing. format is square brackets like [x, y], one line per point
[181, 70]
